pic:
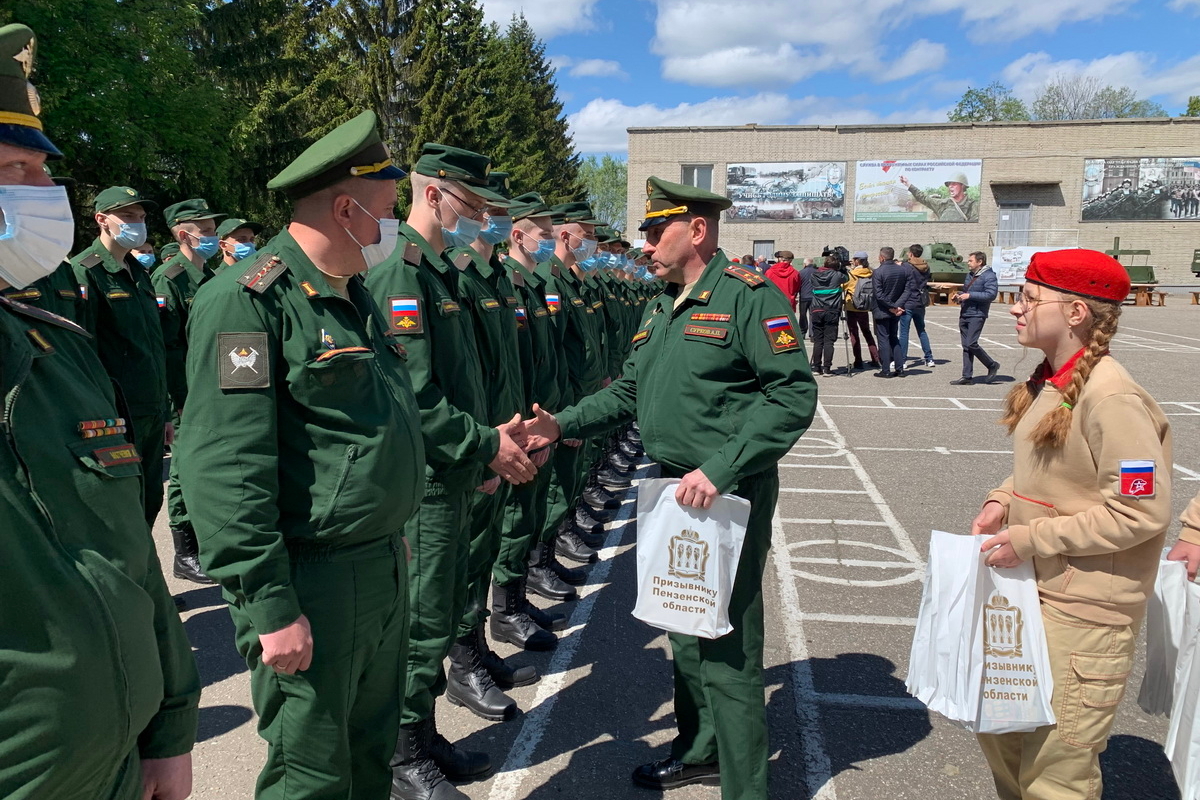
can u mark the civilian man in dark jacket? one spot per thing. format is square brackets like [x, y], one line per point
[893, 284]
[975, 299]
[806, 296]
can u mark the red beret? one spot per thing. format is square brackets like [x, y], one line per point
[1087, 273]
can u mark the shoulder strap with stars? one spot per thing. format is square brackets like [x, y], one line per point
[90, 260]
[43, 315]
[265, 270]
[749, 277]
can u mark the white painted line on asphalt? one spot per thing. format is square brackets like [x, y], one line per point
[818, 774]
[958, 403]
[862, 619]
[822, 491]
[871, 523]
[887, 402]
[981, 338]
[871, 701]
[1192, 475]
[509, 780]
[814, 466]
[940, 450]
[1160, 333]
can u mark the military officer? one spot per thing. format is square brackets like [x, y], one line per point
[421, 291]
[300, 463]
[120, 309]
[718, 331]
[955, 208]
[191, 223]
[237, 239]
[100, 691]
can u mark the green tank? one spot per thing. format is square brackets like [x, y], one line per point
[1196, 262]
[945, 264]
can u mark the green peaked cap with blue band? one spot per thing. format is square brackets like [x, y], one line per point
[351, 150]
[665, 200]
[20, 106]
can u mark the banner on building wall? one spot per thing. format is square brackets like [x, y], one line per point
[917, 191]
[793, 191]
[1141, 189]
[1010, 263]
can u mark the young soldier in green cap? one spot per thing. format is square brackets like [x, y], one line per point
[99, 689]
[237, 238]
[722, 331]
[192, 223]
[492, 302]
[514, 619]
[421, 291]
[301, 462]
[120, 309]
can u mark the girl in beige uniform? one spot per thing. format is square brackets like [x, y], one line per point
[1089, 504]
[1188, 547]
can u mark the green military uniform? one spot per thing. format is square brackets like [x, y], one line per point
[97, 671]
[420, 291]
[718, 382]
[120, 308]
[57, 293]
[300, 464]
[946, 208]
[176, 281]
[525, 513]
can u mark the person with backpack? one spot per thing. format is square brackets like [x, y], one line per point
[914, 306]
[860, 299]
[892, 283]
[825, 312]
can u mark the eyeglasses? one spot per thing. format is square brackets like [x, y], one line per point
[1030, 303]
[476, 211]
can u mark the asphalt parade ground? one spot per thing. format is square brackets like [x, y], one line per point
[885, 462]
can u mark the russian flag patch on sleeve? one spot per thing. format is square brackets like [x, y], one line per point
[1137, 478]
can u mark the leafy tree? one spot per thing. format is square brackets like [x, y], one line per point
[1193, 106]
[1085, 97]
[993, 103]
[607, 181]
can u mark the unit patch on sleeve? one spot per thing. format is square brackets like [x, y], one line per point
[489, 303]
[405, 314]
[161, 299]
[1137, 478]
[242, 360]
[522, 318]
[711, 317]
[706, 331]
[780, 334]
[552, 302]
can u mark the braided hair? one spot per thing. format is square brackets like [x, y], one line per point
[1052, 429]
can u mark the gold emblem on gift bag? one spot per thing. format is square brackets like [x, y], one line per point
[1002, 628]
[688, 556]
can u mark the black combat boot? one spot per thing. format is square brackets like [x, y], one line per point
[572, 576]
[545, 620]
[610, 479]
[415, 776]
[568, 545]
[542, 578]
[511, 624]
[619, 462]
[457, 765]
[469, 685]
[634, 434]
[504, 674]
[588, 520]
[187, 556]
[599, 498]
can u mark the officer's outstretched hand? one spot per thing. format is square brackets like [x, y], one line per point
[696, 490]
[167, 778]
[510, 462]
[1189, 553]
[288, 650]
[541, 429]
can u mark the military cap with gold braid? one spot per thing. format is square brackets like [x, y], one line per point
[530, 204]
[351, 150]
[472, 170]
[20, 106]
[665, 200]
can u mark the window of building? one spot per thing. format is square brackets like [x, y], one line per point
[698, 175]
[764, 247]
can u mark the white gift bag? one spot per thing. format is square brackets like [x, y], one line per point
[687, 559]
[979, 655]
[1183, 737]
[1165, 612]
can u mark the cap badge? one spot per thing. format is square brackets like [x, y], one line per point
[25, 58]
[130, 192]
[35, 101]
[649, 188]
[647, 205]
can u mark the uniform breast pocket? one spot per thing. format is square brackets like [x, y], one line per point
[331, 379]
[110, 457]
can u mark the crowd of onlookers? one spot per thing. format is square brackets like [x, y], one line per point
[880, 306]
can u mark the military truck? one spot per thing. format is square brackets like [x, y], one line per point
[1138, 273]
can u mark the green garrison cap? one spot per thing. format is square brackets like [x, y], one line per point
[472, 170]
[20, 106]
[115, 197]
[635, 253]
[188, 211]
[234, 223]
[577, 211]
[168, 251]
[351, 150]
[528, 205]
[665, 200]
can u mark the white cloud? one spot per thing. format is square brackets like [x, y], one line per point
[1138, 71]
[776, 43]
[549, 18]
[1185, 5]
[597, 68]
[599, 127]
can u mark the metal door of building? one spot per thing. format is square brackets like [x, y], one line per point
[1013, 224]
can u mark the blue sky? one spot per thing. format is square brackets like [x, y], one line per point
[625, 63]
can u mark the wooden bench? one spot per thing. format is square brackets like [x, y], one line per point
[1146, 294]
[1007, 296]
[1196, 298]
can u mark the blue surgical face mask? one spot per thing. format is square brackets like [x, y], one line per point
[243, 249]
[146, 259]
[497, 230]
[130, 234]
[589, 264]
[543, 253]
[206, 246]
[585, 250]
[465, 232]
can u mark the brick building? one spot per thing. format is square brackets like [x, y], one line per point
[1139, 175]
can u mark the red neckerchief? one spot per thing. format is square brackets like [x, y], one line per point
[1061, 378]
